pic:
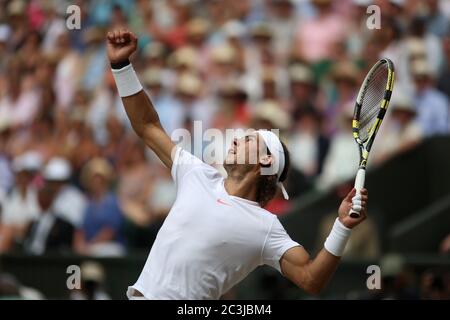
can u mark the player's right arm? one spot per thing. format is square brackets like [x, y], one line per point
[312, 275]
[121, 44]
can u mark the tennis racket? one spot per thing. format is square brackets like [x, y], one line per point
[370, 108]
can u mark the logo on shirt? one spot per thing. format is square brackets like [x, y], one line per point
[221, 202]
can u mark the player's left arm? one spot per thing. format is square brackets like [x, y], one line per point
[312, 275]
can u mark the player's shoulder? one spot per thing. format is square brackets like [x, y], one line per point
[194, 165]
[265, 214]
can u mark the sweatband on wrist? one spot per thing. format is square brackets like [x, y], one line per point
[120, 64]
[337, 239]
[127, 81]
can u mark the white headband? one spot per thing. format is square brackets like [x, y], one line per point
[275, 147]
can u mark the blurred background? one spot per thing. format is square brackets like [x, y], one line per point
[77, 187]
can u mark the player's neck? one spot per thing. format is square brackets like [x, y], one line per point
[242, 186]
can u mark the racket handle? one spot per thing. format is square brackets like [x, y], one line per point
[359, 184]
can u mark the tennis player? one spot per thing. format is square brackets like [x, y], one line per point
[217, 231]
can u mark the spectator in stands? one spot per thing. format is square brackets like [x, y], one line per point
[308, 145]
[100, 233]
[281, 15]
[401, 131]
[437, 23]
[20, 105]
[68, 202]
[342, 159]
[190, 99]
[50, 232]
[435, 285]
[302, 88]
[20, 207]
[432, 105]
[318, 37]
[170, 113]
[345, 81]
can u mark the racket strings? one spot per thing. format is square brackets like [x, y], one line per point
[371, 101]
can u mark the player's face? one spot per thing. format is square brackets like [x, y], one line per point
[244, 150]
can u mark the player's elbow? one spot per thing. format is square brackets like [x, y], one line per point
[312, 288]
[310, 284]
[147, 131]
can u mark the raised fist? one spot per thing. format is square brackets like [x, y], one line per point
[120, 45]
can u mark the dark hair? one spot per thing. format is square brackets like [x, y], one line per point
[267, 185]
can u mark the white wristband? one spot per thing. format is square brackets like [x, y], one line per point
[127, 81]
[336, 241]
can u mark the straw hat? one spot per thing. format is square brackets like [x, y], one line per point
[299, 73]
[96, 166]
[223, 54]
[272, 111]
[190, 84]
[185, 56]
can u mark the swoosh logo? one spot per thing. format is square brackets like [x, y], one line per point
[221, 202]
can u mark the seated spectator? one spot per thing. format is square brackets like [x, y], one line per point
[432, 105]
[69, 202]
[341, 162]
[20, 207]
[435, 285]
[100, 233]
[401, 131]
[49, 232]
[308, 145]
[317, 38]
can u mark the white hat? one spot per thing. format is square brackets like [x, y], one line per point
[362, 3]
[29, 161]
[399, 3]
[300, 73]
[234, 29]
[272, 111]
[57, 169]
[421, 68]
[401, 101]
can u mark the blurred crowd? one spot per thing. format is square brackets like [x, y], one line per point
[75, 178]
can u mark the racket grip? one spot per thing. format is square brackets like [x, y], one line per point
[359, 184]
